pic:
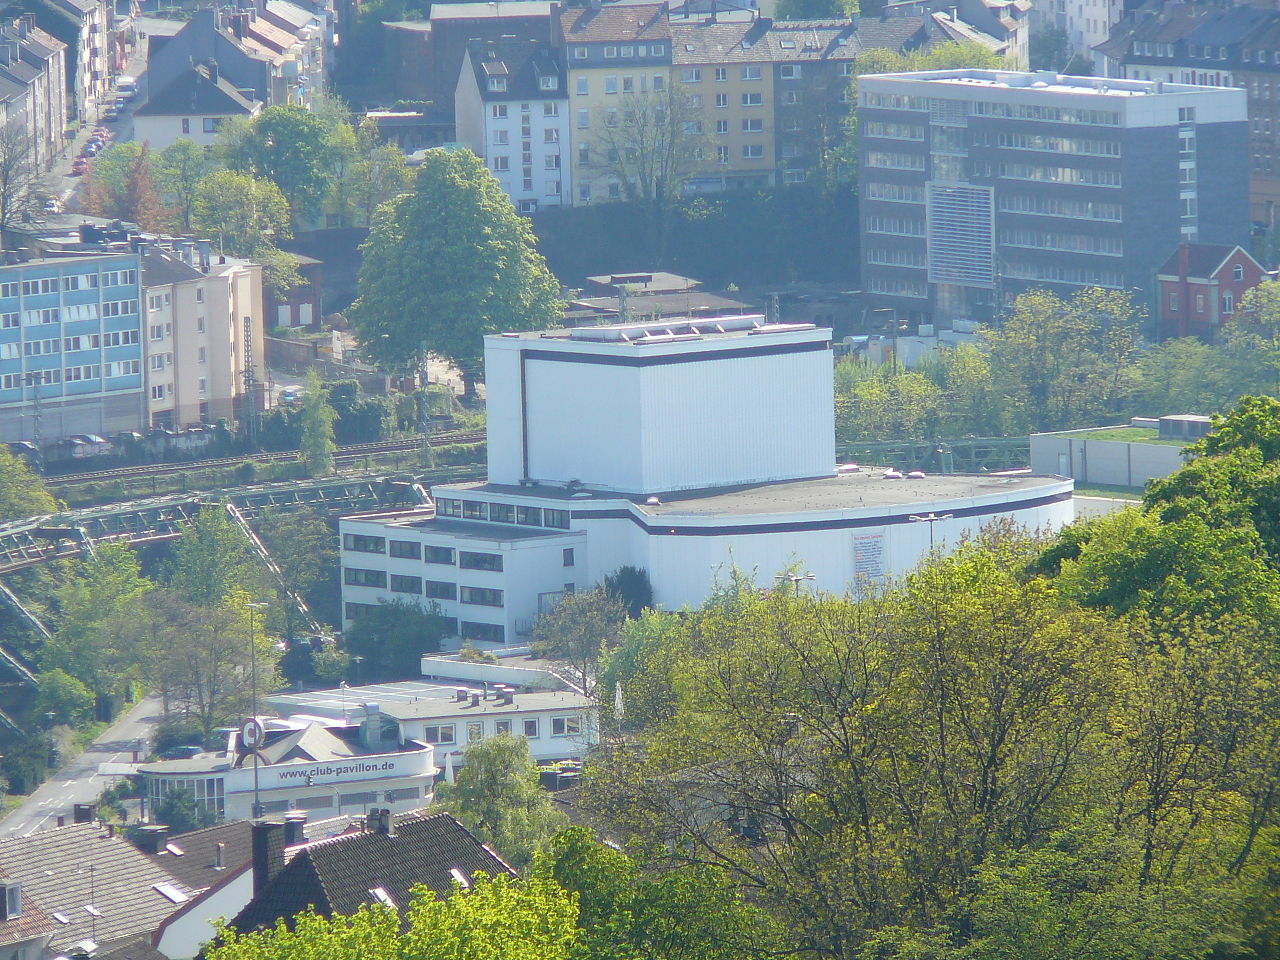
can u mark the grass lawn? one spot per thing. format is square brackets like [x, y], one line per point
[1127, 435]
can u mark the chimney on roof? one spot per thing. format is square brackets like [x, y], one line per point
[211, 65]
[219, 855]
[460, 694]
[268, 852]
[153, 837]
[371, 727]
[475, 699]
[295, 822]
[380, 820]
[202, 249]
[1184, 259]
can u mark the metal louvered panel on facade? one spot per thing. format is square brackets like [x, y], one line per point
[960, 228]
[954, 112]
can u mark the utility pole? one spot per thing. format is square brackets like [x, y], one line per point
[33, 380]
[250, 386]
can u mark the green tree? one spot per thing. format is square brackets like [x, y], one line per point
[304, 547]
[689, 914]
[318, 447]
[393, 637]
[181, 814]
[62, 695]
[497, 796]
[816, 9]
[247, 216]
[381, 173]
[140, 197]
[1069, 359]
[107, 191]
[448, 264]
[631, 586]
[289, 146]
[89, 644]
[578, 630]
[211, 560]
[182, 165]
[498, 917]
[22, 493]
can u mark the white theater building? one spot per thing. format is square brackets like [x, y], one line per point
[683, 447]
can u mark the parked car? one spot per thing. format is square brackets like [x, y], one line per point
[111, 114]
[79, 165]
[53, 205]
[127, 87]
[290, 397]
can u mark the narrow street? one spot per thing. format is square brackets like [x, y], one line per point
[80, 780]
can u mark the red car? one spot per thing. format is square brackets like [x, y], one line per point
[79, 165]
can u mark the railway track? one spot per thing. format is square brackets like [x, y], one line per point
[347, 454]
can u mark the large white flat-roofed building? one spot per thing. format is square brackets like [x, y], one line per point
[684, 448]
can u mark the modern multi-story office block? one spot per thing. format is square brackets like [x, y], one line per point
[512, 112]
[980, 184]
[70, 347]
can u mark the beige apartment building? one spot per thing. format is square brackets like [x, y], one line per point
[203, 329]
[725, 78]
[618, 59]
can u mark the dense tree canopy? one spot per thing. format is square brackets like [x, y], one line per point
[22, 494]
[446, 265]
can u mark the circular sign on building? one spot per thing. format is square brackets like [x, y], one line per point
[251, 733]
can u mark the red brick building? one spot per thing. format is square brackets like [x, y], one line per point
[1201, 285]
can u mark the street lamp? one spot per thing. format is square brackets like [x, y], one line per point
[253, 705]
[795, 579]
[931, 519]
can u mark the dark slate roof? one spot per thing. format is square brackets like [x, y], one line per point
[193, 866]
[72, 867]
[160, 268]
[1228, 27]
[1203, 259]
[796, 41]
[522, 62]
[621, 23]
[336, 875]
[138, 948]
[194, 94]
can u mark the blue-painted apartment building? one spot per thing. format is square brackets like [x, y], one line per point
[71, 350]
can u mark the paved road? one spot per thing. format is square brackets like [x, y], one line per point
[79, 781]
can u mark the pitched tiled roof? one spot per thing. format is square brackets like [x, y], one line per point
[336, 875]
[194, 866]
[71, 868]
[194, 94]
[526, 62]
[623, 22]
[139, 948]
[796, 41]
[1203, 259]
[34, 922]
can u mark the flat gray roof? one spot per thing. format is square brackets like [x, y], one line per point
[336, 698]
[867, 488]
[429, 709]
[477, 530]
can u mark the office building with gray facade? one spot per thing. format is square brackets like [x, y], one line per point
[979, 184]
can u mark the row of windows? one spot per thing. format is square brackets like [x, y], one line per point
[408, 550]
[896, 192]
[1056, 273]
[694, 74]
[92, 371]
[895, 257]
[1067, 242]
[446, 734]
[895, 287]
[895, 161]
[1045, 144]
[503, 513]
[1027, 111]
[1070, 175]
[78, 281]
[895, 131]
[898, 226]
[611, 52]
[1060, 207]
[434, 589]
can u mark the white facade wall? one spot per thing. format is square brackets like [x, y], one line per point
[161, 132]
[543, 747]
[182, 936]
[585, 412]
[1106, 462]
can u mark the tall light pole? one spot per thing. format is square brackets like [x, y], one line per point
[930, 519]
[795, 579]
[253, 703]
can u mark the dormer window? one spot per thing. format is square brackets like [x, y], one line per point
[497, 84]
[10, 900]
[549, 83]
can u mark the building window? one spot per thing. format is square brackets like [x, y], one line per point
[568, 556]
[722, 100]
[722, 154]
[722, 74]
[1228, 302]
[750, 73]
[584, 119]
[502, 728]
[529, 516]
[789, 71]
[498, 84]
[212, 124]
[1237, 272]
[579, 53]
[753, 99]
[354, 610]
[439, 733]
[480, 561]
[356, 577]
[584, 192]
[441, 590]
[610, 53]
[501, 137]
[690, 75]
[1173, 301]
[722, 126]
[484, 632]
[791, 97]
[659, 81]
[581, 86]
[611, 83]
[360, 543]
[531, 729]
[186, 125]
[438, 554]
[548, 83]
[481, 596]
[1199, 303]
[556, 518]
[753, 125]
[752, 151]
[498, 111]
[406, 549]
[11, 902]
[403, 584]
[475, 731]
[566, 726]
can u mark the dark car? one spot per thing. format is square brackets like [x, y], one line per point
[185, 752]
